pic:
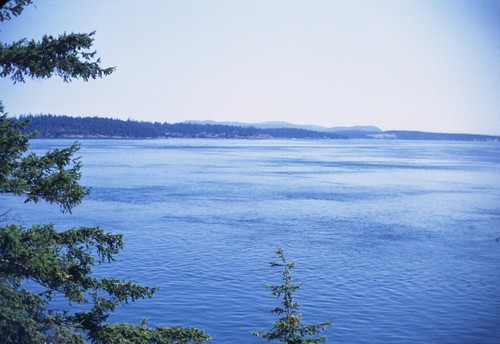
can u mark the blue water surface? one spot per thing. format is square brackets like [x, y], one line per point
[394, 241]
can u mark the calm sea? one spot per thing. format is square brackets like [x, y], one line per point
[394, 241]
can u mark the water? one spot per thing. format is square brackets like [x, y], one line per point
[393, 241]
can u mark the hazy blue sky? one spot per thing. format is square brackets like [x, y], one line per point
[429, 65]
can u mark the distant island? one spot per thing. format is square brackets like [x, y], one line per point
[52, 126]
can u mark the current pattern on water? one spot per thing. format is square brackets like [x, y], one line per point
[394, 241]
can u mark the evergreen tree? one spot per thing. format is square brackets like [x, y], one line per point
[40, 263]
[67, 56]
[288, 328]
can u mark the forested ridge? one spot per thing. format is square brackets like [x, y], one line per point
[52, 126]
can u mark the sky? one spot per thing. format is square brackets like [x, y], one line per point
[430, 65]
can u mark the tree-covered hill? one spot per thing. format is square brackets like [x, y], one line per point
[50, 126]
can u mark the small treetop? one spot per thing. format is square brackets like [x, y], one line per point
[288, 328]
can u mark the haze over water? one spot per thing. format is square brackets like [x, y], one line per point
[393, 241]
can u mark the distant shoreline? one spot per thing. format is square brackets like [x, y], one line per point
[66, 127]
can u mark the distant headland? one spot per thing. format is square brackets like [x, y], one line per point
[52, 126]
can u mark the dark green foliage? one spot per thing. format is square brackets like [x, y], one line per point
[66, 56]
[60, 264]
[141, 334]
[13, 8]
[57, 264]
[39, 264]
[288, 328]
[51, 126]
[52, 177]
